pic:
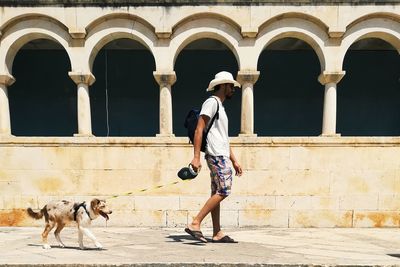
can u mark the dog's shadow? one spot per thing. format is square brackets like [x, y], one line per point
[185, 239]
[68, 247]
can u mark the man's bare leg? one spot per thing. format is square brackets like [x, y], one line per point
[215, 215]
[209, 206]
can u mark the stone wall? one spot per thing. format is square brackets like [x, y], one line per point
[324, 181]
[287, 182]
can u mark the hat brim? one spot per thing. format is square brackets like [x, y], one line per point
[215, 82]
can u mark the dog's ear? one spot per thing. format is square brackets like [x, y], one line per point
[95, 202]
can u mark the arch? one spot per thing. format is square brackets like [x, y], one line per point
[23, 32]
[31, 16]
[209, 15]
[115, 16]
[110, 30]
[376, 15]
[296, 15]
[297, 28]
[381, 28]
[204, 28]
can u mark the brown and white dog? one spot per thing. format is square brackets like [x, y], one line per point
[62, 212]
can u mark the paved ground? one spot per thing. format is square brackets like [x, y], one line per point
[173, 247]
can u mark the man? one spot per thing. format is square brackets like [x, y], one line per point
[218, 155]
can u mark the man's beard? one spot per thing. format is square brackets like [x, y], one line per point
[228, 97]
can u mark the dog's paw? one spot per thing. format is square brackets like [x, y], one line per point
[46, 246]
[98, 245]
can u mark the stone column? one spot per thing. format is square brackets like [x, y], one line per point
[5, 124]
[165, 80]
[83, 81]
[247, 79]
[330, 80]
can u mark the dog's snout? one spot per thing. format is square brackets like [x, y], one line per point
[110, 211]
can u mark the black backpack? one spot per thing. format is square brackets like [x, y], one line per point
[191, 123]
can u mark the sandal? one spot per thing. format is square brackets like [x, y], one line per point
[198, 235]
[225, 239]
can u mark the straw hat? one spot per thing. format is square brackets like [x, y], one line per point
[221, 78]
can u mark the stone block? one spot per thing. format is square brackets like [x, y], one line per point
[9, 202]
[353, 181]
[14, 217]
[320, 218]
[272, 182]
[23, 202]
[10, 188]
[376, 219]
[273, 158]
[6, 176]
[264, 218]
[149, 218]
[149, 203]
[389, 202]
[192, 203]
[293, 202]
[324, 203]
[259, 203]
[124, 203]
[177, 218]
[359, 202]
[233, 203]
[229, 218]
[300, 158]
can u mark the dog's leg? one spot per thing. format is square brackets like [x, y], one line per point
[47, 229]
[60, 226]
[80, 238]
[89, 234]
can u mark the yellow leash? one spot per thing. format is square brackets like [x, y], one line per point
[146, 189]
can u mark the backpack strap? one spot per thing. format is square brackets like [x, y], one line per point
[216, 116]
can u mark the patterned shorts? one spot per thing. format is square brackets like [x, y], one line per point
[221, 174]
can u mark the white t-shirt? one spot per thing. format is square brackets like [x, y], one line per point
[217, 138]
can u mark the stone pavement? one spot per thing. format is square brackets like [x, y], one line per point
[173, 247]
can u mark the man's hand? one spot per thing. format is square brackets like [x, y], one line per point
[196, 164]
[238, 168]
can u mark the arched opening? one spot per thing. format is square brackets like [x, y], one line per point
[124, 98]
[43, 98]
[369, 93]
[195, 67]
[288, 99]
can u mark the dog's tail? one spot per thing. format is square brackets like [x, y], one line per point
[36, 215]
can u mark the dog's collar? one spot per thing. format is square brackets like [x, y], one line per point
[77, 207]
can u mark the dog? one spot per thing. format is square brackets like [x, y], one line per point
[62, 212]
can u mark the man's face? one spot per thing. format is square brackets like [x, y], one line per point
[229, 90]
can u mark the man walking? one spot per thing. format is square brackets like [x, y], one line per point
[219, 155]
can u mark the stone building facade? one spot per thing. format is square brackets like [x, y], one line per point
[328, 179]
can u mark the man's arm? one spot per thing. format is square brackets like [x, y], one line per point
[198, 137]
[235, 163]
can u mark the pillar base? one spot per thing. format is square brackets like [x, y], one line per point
[330, 135]
[247, 135]
[165, 135]
[83, 135]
